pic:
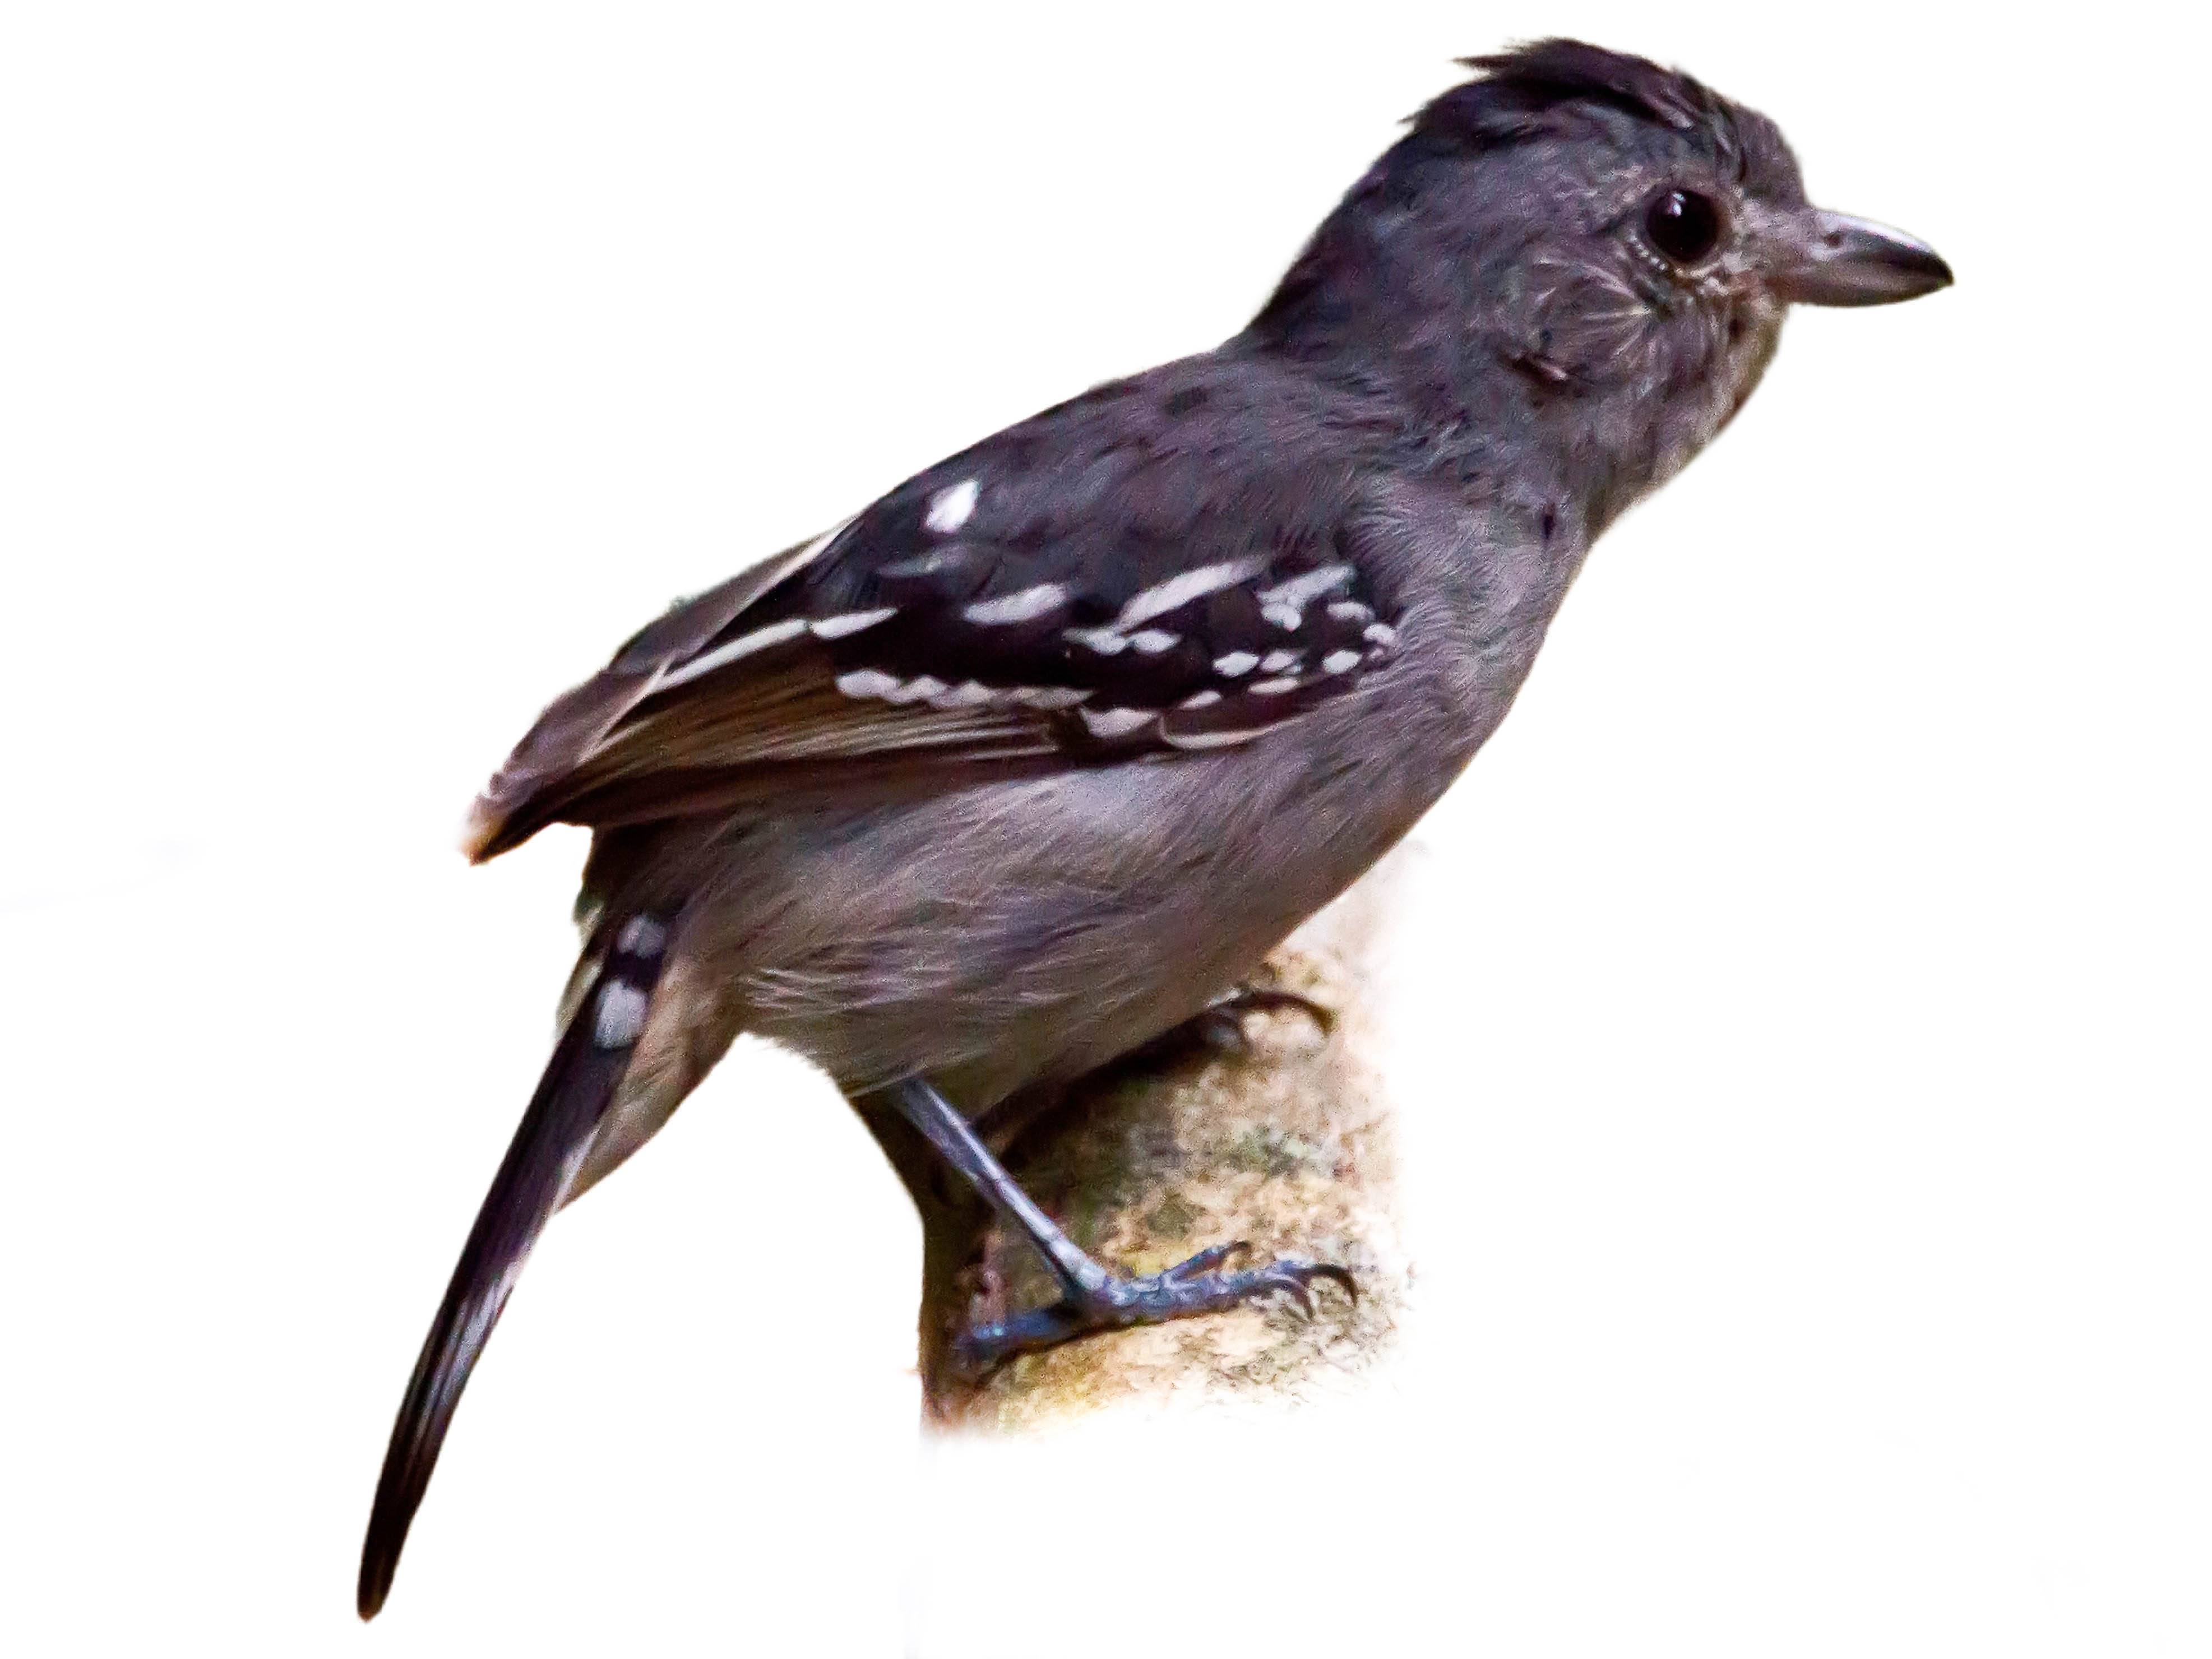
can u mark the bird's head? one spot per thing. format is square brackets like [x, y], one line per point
[1589, 236]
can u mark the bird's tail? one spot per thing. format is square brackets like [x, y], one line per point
[539, 1170]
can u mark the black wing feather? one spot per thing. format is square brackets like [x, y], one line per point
[1161, 565]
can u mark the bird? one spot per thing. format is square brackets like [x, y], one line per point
[1029, 761]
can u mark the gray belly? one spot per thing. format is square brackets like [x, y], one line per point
[1027, 933]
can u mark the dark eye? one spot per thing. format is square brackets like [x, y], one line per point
[1683, 225]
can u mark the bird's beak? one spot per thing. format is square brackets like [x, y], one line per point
[1833, 260]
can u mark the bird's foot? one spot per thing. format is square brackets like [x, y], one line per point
[1219, 1028]
[1204, 1284]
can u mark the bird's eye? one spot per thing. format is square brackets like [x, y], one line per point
[1683, 225]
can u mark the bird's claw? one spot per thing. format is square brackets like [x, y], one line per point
[1268, 998]
[1299, 1282]
[1207, 1260]
[1203, 1284]
[1219, 1026]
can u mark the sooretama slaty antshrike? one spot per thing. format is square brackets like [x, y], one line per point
[1027, 762]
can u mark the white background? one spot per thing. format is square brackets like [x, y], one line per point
[1812, 1122]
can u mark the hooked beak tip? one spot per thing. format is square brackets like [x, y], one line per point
[1835, 259]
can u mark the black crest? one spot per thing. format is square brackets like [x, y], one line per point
[1526, 92]
[1535, 77]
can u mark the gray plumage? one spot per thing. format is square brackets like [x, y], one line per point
[1049, 746]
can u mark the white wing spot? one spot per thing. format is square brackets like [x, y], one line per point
[1284, 617]
[1216, 740]
[951, 508]
[1235, 663]
[1117, 722]
[1200, 699]
[1104, 641]
[921, 687]
[1153, 641]
[744, 646]
[836, 628]
[1351, 610]
[1177, 590]
[1049, 696]
[1273, 688]
[1026, 606]
[968, 694]
[1276, 661]
[1340, 662]
[621, 1015]
[867, 682]
[1380, 633]
[1305, 590]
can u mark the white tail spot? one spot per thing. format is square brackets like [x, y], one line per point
[641, 936]
[621, 1015]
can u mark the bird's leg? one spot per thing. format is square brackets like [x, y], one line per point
[1092, 1297]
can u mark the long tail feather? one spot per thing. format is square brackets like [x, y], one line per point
[541, 1165]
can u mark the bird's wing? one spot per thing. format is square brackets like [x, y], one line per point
[1101, 584]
